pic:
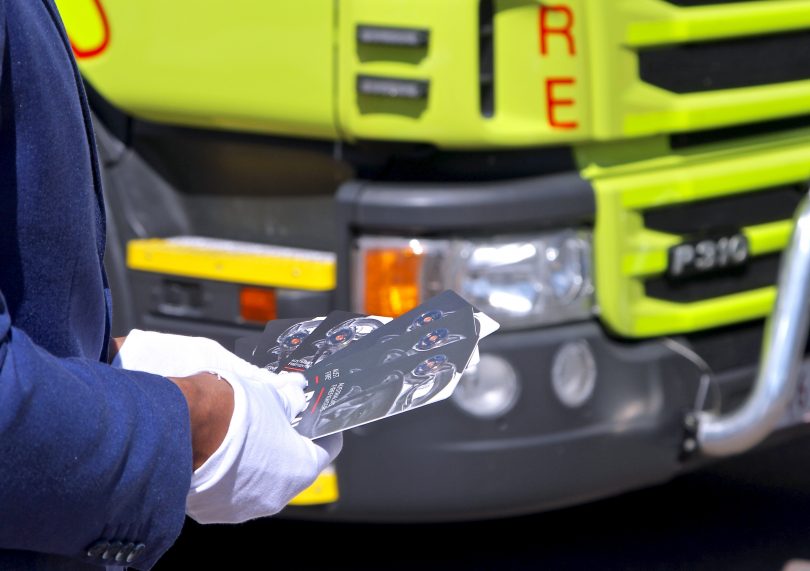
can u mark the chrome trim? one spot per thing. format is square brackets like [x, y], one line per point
[782, 350]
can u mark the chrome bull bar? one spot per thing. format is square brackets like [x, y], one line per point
[782, 351]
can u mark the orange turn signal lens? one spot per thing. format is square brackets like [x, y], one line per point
[391, 280]
[257, 304]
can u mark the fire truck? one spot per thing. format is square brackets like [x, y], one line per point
[619, 183]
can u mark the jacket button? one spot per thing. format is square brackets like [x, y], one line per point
[122, 555]
[112, 550]
[97, 549]
[135, 553]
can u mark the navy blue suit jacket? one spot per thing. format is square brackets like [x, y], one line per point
[88, 453]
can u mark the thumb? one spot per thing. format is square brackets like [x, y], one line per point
[290, 387]
[327, 449]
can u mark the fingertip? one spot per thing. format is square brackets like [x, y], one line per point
[295, 398]
[331, 444]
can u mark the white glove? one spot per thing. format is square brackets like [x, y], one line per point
[181, 356]
[263, 462]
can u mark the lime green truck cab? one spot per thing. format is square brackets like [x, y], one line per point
[613, 181]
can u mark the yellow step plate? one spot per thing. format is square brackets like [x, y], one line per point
[230, 261]
[323, 491]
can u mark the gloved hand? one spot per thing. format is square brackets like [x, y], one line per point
[180, 356]
[263, 462]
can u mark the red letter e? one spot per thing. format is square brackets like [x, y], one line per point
[552, 102]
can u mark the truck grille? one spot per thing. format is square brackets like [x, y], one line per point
[644, 212]
[727, 64]
[712, 215]
[737, 211]
[690, 65]
[725, 134]
[706, 2]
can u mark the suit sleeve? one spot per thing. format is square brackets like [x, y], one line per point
[88, 453]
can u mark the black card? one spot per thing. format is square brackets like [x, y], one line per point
[408, 371]
[341, 336]
[245, 347]
[419, 318]
[450, 328]
[309, 349]
[277, 342]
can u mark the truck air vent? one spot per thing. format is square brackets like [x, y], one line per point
[705, 2]
[747, 209]
[391, 36]
[486, 57]
[737, 132]
[392, 87]
[728, 64]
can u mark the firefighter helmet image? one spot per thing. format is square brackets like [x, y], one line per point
[428, 318]
[438, 337]
[289, 340]
[342, 334]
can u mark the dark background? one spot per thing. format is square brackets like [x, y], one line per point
[749, 513]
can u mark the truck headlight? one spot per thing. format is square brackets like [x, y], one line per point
[520, 281]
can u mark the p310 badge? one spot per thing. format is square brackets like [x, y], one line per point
[707, 254]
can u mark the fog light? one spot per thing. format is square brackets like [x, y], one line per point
[573, 373]
[489, 390]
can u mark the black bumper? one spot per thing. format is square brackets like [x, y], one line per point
[439, 463]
